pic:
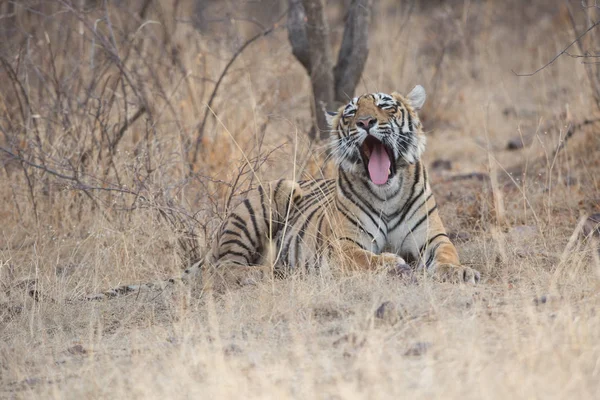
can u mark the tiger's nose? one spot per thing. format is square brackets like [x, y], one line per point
[366, 123]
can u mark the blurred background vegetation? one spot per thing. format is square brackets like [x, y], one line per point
[166, 110]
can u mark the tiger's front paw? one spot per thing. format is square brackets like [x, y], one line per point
[457, 274]
[395, 265]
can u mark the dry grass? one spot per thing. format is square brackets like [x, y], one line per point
[530, 330]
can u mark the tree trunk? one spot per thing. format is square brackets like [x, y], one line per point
[321, 73]
[309, 36]
[354, 51]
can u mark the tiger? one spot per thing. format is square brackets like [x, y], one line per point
[377, 213]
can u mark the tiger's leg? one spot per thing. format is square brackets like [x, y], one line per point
[442, 258]
[438, 255]
[243, 241]
[352, 255]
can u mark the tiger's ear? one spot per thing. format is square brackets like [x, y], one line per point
[417, 97]
[330, 116]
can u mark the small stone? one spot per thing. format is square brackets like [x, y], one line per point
[509, 111]
[77, 350]
[387, 312]
[515, 144]
[417, 349]
[385, 308]
[547, 299]
[32, 381]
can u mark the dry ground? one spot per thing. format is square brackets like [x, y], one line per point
[531, 329]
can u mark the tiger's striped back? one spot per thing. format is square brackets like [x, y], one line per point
[300, 242]
[244, 236]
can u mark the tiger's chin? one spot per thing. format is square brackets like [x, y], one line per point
[378, 160]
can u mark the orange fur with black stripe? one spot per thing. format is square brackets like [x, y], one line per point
[241, 247]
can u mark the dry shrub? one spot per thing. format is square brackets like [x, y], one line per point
[100, 112]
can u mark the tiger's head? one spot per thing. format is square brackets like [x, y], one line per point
[378, 133]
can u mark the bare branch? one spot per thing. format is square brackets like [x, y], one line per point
[141, 111]
[587, 55]
[220, 80]
[592, 78]
[354, 50]
[296, 26]
[37, 166]
[178, 217]
[564, 51]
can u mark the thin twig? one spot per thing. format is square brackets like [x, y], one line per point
[222, 76]
[588, 70]
[564, 51]
[141, 111]
[37, 166]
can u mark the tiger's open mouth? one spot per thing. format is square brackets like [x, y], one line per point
[377, 158]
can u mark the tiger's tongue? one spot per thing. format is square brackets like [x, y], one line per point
[379, 164]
